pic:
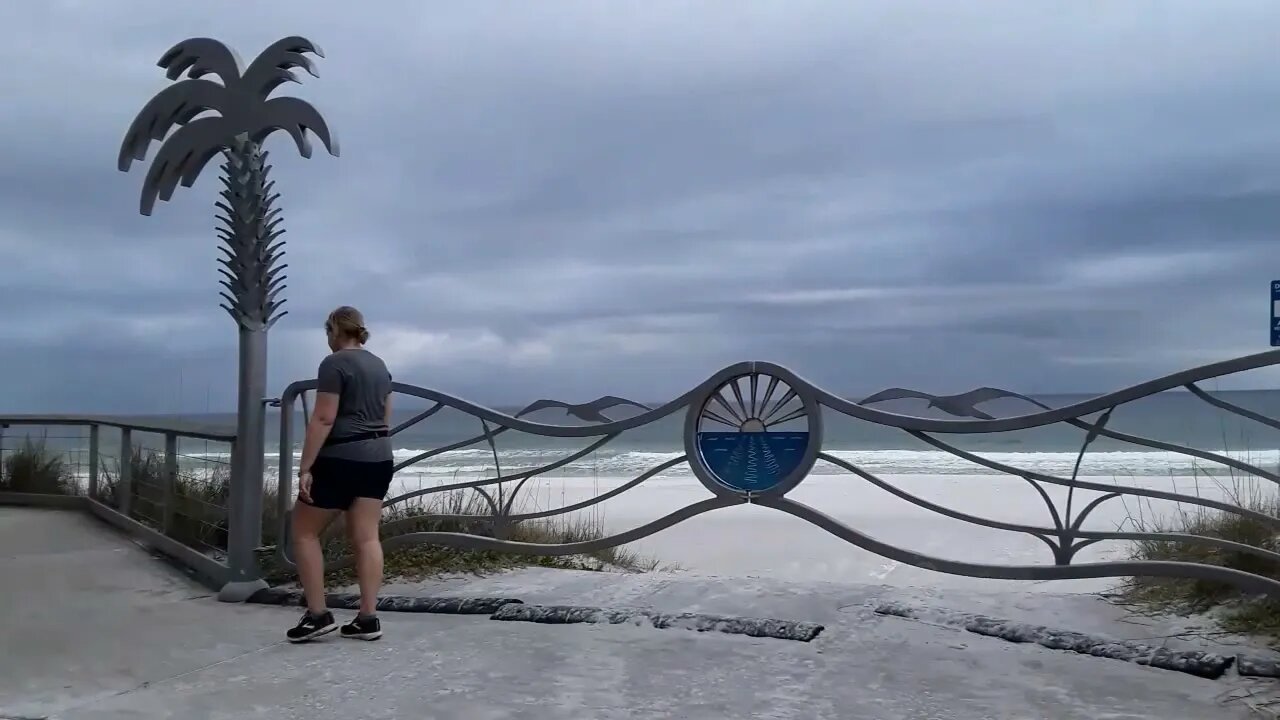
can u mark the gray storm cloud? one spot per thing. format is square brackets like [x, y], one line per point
[573, 198]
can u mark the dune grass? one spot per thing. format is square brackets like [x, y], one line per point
[1234, 610]
[33, 468]
[463, 512]
[198, 518]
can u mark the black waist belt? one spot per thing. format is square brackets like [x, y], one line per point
[358, 437]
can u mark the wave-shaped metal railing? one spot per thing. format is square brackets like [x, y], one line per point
[753, 432]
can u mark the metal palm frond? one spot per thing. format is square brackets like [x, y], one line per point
[295, 117]
[273, 65]
[181, 159]
[175, 105]
[199, 57]
[179, 103]
[241, 105]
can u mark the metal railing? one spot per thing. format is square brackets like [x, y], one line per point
[751, 433]
[165, 482]
[754, 431]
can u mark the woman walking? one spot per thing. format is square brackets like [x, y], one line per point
[346, 467]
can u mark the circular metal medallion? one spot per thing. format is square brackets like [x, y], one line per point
[753, 434]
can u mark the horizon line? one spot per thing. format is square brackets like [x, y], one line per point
[506, 405]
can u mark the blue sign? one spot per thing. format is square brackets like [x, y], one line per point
[752, 461]
[1275, 313]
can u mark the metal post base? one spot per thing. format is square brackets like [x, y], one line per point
[238, 592]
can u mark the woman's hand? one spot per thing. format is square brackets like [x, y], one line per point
[304, 486]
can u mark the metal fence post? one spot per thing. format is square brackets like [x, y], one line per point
[124, 486]
[169, 483]
[93, 461]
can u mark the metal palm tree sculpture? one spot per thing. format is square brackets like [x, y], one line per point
[248, 222]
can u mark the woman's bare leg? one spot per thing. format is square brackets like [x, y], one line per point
[362, 526]
[308, 523]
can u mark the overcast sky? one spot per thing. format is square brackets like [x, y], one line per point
[571, 198]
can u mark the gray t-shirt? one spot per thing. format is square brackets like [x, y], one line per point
[362, 383]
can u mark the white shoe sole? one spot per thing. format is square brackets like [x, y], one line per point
[322, 631]
[364, 636]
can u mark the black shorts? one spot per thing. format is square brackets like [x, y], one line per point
[336, 483]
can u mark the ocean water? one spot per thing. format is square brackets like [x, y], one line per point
[1175, 417]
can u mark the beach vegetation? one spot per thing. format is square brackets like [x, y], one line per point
[1235, 611]
[33, 468]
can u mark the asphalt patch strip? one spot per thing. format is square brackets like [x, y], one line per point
[389, 603]
[513, 609]
[699, 622]
[1250, 666]
[1200, 663]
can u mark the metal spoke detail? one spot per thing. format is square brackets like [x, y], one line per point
[793, 415]
[737, 395]
[788, 397]
[711, 415]
[732, 413]
[768, 394]
[745, 409]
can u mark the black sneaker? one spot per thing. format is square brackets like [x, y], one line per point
[311, 627]
[362, 629]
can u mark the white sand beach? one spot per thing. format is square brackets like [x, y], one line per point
[761, 542]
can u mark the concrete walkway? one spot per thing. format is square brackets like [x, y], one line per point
[95, 628]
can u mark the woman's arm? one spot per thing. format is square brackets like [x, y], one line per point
[387, 412]
[328, 390]
[318, 429]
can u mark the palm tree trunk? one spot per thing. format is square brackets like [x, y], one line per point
[249, 270]
[244, 504]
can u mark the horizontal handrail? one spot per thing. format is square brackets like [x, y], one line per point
[184, 428]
